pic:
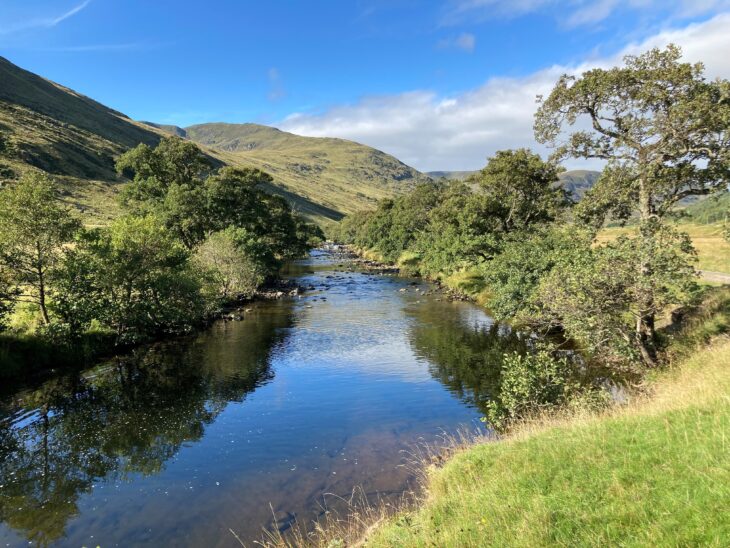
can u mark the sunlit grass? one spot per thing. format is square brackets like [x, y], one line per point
[712, 249]
[652, 474]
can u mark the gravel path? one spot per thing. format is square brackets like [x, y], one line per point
[719, 277]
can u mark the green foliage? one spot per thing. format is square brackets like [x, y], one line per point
[514, 275]
[234, 263]
[452, 226]
[175, 182]
[8, 295]
[601, 296]
[522, 189]
[34, 226]
[133, 277]
[530, 383]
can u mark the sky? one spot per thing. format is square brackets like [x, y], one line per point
[441, 84]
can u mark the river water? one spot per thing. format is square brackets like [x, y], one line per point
[250, 425]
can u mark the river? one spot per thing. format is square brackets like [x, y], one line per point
[251, 424]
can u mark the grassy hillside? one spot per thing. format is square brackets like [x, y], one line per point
[653, 473]
[714, 209]
[341, 176]
[46, 126]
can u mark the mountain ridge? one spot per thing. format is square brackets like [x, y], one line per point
[45, 125]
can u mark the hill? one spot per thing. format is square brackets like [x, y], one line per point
[453, 175]
[44, 125]
[47, 126]
[339, 175]
[578, 181]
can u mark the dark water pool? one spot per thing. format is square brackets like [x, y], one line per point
[252, 424]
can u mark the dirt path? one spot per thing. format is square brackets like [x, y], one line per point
[718, 277]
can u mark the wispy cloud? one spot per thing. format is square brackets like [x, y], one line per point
[433, 132]
[44, 22]
[572, 13]
[84, 48]
[276, 86]
[465, 42]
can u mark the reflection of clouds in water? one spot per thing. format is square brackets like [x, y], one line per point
[355, 331]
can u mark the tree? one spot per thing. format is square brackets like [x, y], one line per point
[8, 295]
[34, 228]
[234, 262]
[523, 189]
[514, 275]
[598, 297]
[135, 278]
[663, 130]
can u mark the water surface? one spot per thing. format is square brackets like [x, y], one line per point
[251, 424]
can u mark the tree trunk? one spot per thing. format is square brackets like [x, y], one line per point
[42, 297]
[645, 324]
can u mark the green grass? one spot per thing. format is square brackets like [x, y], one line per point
[652, 474]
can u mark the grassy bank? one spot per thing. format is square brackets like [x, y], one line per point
[653, 472]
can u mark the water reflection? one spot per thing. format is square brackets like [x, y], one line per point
[252, 423]
[123, 419]
[464, 348]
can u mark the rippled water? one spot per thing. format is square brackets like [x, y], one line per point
[252, 424]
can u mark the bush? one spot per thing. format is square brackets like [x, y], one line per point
[234, 263]
[529, 384]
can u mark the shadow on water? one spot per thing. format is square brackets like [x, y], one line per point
[125, 418]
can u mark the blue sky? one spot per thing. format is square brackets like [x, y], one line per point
[361, 69]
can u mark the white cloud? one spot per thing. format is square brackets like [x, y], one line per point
[465, 41]
[44, 22]
[432, 132]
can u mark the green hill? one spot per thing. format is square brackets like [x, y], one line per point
[713, 209]
[46, 126]
[340, 175]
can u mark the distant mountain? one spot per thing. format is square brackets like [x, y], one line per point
[451, 175]
[340, 175]
[577, 181]
[47, 126]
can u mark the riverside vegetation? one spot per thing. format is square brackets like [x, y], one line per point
[192, 238]
[574, 469]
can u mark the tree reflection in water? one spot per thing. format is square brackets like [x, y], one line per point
[124, 418]
[464, 348]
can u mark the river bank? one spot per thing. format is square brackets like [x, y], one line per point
[28, 359]
[650, 471]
